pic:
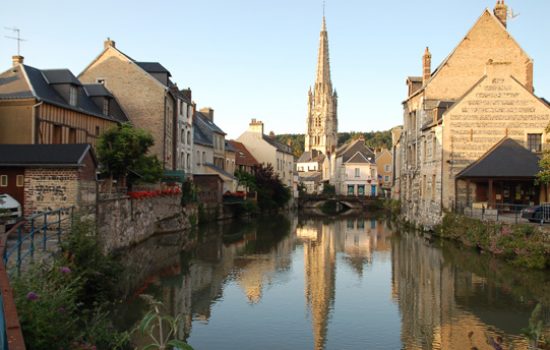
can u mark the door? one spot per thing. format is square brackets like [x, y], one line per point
[373, 190]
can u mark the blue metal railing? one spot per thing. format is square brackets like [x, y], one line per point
[44, 226]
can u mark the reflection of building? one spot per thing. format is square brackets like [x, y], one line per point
[357, 239]
[445, 308]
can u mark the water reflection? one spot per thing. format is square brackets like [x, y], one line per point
[347, 284]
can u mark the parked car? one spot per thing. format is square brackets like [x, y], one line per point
[533, 213]
[10, 209]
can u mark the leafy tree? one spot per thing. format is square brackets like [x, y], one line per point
[123, 150]
[246, 179]
[272, 194]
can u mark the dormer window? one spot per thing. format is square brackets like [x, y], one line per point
[72, 95]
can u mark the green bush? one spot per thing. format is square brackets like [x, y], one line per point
[67, 301]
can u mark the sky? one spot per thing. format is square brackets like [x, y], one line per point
[257, 58]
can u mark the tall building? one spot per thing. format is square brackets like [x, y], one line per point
[322, 119]
[473, 129]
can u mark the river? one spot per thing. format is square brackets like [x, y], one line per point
[351, 283]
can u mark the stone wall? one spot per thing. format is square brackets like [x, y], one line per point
[123, 222]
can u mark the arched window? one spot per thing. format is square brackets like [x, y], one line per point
[182, 136]
[203, 157]
[188, 161]
[189, 137]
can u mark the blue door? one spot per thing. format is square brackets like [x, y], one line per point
[373, 190]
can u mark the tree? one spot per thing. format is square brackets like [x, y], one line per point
[246, 179]
[272, 194]
[123, 151]
[543, 176]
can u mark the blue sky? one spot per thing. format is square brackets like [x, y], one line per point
[256, 58]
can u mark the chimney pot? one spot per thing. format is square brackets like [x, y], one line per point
[17, 59]
[108, 43]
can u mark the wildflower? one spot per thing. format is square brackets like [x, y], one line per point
[32, 296]
[65, 269]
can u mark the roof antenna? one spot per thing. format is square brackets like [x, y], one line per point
[17, 38]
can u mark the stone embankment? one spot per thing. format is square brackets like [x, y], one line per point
[123, 222]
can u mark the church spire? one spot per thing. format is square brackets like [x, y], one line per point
[323, 62]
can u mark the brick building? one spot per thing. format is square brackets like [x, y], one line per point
[479, 95]
[51, 106]
[49, 177]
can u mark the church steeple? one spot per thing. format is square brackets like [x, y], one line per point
[323, 62]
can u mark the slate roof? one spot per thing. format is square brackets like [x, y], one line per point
[23, 82]
[243, 156]
[67, 155]
[219, 170]
[310, 176]
[60, 76]
[507, 158]
[358, 158]
[153, 67]
[311, 156]
[278, 145]
[94, 90]
[349, 150]
[203, 130]
[229, 147]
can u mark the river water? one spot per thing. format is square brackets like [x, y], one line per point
[351, 283]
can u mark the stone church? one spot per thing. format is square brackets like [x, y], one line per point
[473, 130]
[321, 137]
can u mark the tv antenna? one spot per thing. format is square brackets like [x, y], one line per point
[18, 38]
[512, 15]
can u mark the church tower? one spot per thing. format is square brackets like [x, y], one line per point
[322, 119]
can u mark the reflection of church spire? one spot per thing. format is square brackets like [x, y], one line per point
[319, 263]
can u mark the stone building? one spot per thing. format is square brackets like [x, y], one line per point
[267, 150]
[384, 168]
[49, 177]
[185, 110]
[244, 160]
[322, 120]
[51, 106]
[144, 90]
[479, 95]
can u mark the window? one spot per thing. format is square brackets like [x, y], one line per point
[97, 131]
[387, 168]
[72, 95]
[57, 135]
[3, 180]
[386, 178]
[182, 139]
[534, 142]
[198, 158]
[105, 106]
[189, 137]
[188, 161]
[72, 135]
[100, 81]
[351, 190]
[203, 157]
[20, 181]
[433, 187]
[357, 172]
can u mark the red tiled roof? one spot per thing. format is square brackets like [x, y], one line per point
[243, 156]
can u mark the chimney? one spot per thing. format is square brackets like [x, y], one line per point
[501, 12]
[108, 43]
[16, 60]
[208, 113]
[426, 66]
[271, 135]
[256, 126]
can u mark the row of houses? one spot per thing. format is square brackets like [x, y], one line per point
[45, 113]
[473, 130]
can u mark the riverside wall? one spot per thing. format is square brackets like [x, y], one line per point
[123, 222]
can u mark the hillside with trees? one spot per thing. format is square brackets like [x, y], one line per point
[373, 139]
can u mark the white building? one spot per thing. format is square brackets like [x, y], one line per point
[356, 171]
[184, 131]
[267, 150]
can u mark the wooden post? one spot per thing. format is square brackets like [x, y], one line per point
[491, 203]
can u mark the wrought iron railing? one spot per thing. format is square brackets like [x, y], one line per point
[26, 239]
